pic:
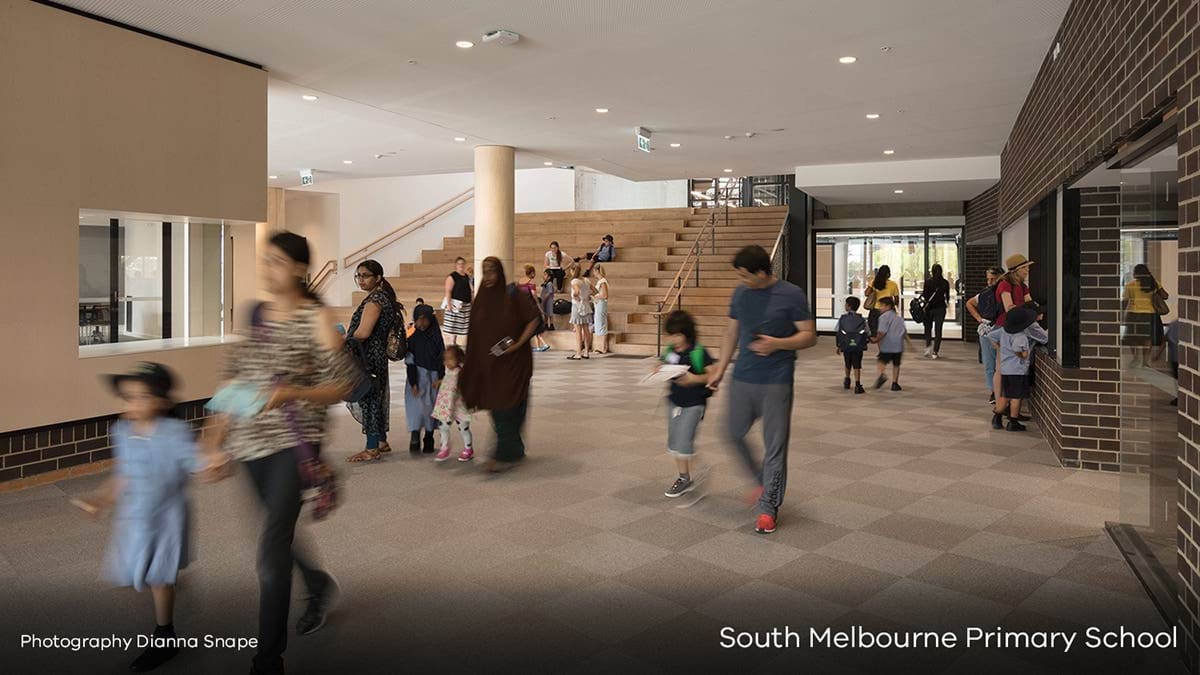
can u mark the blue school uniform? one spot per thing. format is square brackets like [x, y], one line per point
[149, 543]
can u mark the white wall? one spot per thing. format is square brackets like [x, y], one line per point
[1015, 238]
[315, 216]
[595, 191]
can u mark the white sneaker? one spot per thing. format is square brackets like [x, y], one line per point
[935, 356]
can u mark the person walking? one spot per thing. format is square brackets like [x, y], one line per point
[769, 320]
[457, 301]
[425, 370]
[1143, 324]
[581, 314]
[294, 353]
[936, 294]
[374, 319]
[600, 305]
[497, 371]
[881, 286]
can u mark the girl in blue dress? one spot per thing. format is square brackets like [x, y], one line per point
[153, 457]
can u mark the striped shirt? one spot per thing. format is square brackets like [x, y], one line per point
[282, 353]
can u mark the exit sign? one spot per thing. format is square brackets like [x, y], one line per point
[306, 177]
[643, 139]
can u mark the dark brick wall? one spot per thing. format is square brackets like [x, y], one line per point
[983, 216]
[982, 225]
[29, 453]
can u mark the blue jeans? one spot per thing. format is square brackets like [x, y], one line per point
[988, 352]
[373, 440]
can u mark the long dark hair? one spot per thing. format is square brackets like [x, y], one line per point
[1144, 278]
[296, 249]
[881, 277]
[935, 272]
[375, 268]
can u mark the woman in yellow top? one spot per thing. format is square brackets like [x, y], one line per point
[1143, 325]
[881, 287]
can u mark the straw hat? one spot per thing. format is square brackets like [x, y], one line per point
[1016, 261]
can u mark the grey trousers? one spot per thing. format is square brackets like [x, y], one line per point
[773, 404]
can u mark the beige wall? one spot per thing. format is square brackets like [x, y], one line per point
[93, 116]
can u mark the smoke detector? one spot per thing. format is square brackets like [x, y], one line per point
[501, 37]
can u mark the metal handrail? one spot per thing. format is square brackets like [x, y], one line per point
[327, 272]
[690, 263]
[416, 223]
[779, 238]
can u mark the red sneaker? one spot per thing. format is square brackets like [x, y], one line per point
[752, 496]
[765, 524]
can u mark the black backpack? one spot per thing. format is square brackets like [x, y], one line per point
[987, 304]
[855, 339]
[562, 306]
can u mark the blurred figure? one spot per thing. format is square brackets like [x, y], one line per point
[425, 372]
[375, 317]
[936, 293]
[498, 368]
[450, 409]
[153, 455]
[295, 357]
[881, 287]
[688, 397]
[1142, 301]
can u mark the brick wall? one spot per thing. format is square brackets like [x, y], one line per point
[48, 453]
[982, 224]
[1122, 64]
[983, 216]
[979, 258]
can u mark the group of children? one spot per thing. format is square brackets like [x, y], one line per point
[854, 334]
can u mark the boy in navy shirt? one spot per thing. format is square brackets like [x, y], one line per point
[852, 337]
[688, 397]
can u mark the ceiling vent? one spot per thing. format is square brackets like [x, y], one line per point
[501, 37]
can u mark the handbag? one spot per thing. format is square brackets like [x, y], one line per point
[397, 337]
[916, 309]
[319, 483]
[1160, 303]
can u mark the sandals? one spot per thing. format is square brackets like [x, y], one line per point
[575, 357]
[364, 456]
[385, 447]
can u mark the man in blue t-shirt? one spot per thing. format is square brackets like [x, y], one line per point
[769, 319]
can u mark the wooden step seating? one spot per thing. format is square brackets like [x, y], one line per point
[652, 244]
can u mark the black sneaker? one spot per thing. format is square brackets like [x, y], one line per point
[1024, 418]
[427, 447]
[1014, 425]
[154, 656]
[680, 487]
[997, 421]
[879, 381]
[858, 388]
[414, 443]
[846, 383]
[896, 386]
[318, 608]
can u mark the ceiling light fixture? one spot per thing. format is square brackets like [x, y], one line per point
[309, 97]
[601, 110]
[464, 44]
[459, 139]
[273, 177]
[848, 59]
[548, 163]
[899, 192]
[347, 161]
[675, 145]
[889, 152]
[872, 116]
[728, 170]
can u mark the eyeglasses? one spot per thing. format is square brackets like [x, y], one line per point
[360, 275]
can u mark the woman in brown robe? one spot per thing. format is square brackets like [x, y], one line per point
[500, 383]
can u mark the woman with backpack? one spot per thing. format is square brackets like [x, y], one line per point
[377, 316]
[1143, 301]
[936, 294]
[881, 286]
[978, 307]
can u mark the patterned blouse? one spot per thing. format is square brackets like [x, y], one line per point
[283, 353]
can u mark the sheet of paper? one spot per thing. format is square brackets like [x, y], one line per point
[665, 373]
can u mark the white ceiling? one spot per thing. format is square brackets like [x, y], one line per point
[390, 79]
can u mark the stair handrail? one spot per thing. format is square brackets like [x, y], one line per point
[690, 263]
[780, 246]
[327, 272]
[417, 223]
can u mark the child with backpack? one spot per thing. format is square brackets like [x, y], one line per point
[153, 457]
[688, 397]
[1014, 346]
[852, 337]
[891, 338]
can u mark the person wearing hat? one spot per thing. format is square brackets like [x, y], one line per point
[153, 458]
[425, 370]
[1012, 291]
[1015, 346]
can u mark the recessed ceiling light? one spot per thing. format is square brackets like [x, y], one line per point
[309, 97]
[889, 152]
[459, 139]
[548, 163]
[675, 145]
[464, 44]
[847, 59]
[273, 177]
[885, 48]
[728, 170]
[899, 192]
[601, 110]
[872, 116]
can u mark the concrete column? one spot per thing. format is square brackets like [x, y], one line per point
[495, 206]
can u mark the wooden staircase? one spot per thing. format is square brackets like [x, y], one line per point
[652, 244]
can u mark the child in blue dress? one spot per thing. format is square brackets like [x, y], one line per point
[153, 457]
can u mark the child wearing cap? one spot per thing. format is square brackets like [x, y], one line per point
[1014, 343]
[153, 457]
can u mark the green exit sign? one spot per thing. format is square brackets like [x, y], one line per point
[643, 139]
